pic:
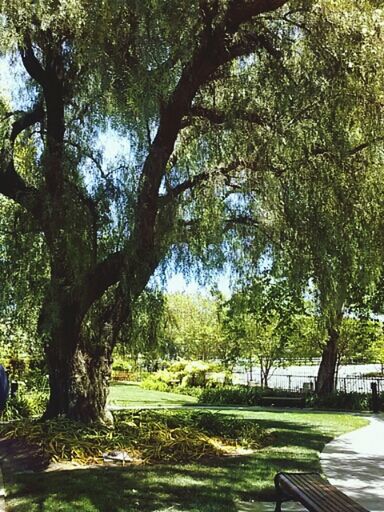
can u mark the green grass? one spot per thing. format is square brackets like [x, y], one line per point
[126, 394]
[210, 486]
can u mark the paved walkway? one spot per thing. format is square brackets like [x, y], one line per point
[354, 463]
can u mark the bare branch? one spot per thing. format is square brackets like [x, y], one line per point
[196, 180]
[26, 121]
[32, 64]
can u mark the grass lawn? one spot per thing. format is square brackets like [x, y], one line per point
[132, 395]
[210, 486]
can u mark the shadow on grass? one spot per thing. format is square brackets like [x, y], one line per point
[144, 403]
[208, 486]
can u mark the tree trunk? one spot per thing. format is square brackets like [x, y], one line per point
[79, 381]
[79, 350]
[326, 376]
[265, 377]
[91, 373]
[79, 365]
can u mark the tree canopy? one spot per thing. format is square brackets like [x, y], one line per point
[251, 127]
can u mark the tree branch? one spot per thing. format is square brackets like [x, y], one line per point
[229, 224]
[364, 145]
[211, 53]
[320, 151]
[51, 79]
[193, 182]
[32, 64]
[250, 42]
[26, 121]
[12, 184]
[105, 274]
[241, 11]
[215, 116]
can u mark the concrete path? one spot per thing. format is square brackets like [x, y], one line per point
[354, 463]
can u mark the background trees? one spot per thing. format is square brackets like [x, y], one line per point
[194, 327]
[260, 322]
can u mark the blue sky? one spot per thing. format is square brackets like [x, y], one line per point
[5, 83]
[177, 283]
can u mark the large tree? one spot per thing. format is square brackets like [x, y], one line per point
[146, 68]
[332, 206]
[323, 200]
[215, 98]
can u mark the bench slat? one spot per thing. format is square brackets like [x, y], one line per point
[324, 496]
[320, 495]
[317, 488]
[315, 493]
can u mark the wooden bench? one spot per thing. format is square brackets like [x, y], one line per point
[312, 491]
[283, 401]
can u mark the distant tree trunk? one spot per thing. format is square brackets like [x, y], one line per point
[250, 368]
[338, 364]
[326, 376]
[265, 371]
[264, 379]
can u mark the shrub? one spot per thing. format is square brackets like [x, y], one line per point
[243, 395]
[343, 401]
[122, 364]
[188, 374]
[157, 385]
[187, 391]
[154, 384]
[25, 404]
[147, 436]
[223, 395]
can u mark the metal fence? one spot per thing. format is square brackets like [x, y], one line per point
[358, 384]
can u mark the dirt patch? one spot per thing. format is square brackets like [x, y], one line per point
[17, 456]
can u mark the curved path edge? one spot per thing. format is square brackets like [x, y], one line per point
[354, 463]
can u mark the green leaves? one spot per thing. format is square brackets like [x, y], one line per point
[261, 320]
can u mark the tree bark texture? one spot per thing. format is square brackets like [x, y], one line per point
[79, 367]
[327, 371]
[79, 384]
